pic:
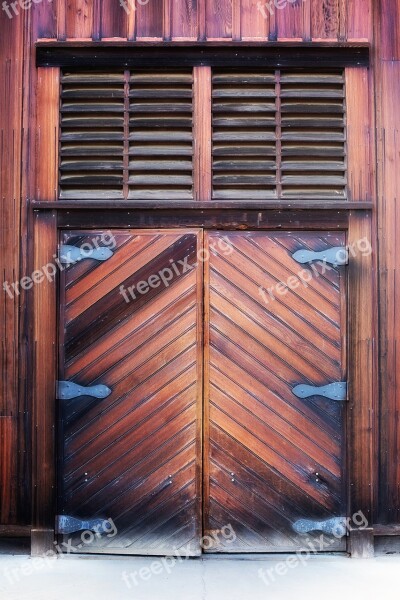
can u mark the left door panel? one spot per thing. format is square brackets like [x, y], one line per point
[131, 323]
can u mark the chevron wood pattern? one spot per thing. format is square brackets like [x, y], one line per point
[135, 456]
[271, 458]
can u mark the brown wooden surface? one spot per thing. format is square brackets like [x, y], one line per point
[360, 158]
[361, 543]
[43, 384]
[272, 458]
[362, 369]
[388, 76]
[135, 456]
[79, 16]
[47, 142]
[387, 90]
[330, 20]
[14, 409]
[202, 127]
[210, 219]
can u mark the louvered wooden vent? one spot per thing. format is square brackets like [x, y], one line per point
[278, 134]
[127, 135]
[275, 134]
[160, 136]
[92, 135]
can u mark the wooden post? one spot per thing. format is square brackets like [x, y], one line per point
[202, 134]
[362, 379]
[44, 316]
[44, 377]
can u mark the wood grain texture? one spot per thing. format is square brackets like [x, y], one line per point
[149, 20]
[184, 19]
[44, 20]
[387, 16]
[289, 20]
[202, 167]
[216, 19]
[8, 469]
[359, 19]
[219, 19]
[272, 458]
[135, 456]
[388, 210]
[14, 478]
[113, 19]
[254, 22]
[44, 383]
[325, 19]
[362, 367]
[360, 170]
[79, 19]
[47, 138]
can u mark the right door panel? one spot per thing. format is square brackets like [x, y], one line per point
[273, 459]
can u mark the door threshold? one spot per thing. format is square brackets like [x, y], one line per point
[266, 556]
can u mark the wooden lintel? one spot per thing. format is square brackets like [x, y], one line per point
[259, 55]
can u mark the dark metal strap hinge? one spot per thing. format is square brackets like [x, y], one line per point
[335, 256]
[334, 391]
[336, 526]
[68, 389]
[69, 255]
[66, 524]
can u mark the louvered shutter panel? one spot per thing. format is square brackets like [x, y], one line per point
[278, 135]
[92, 135]
[161, 136]
[313, 135]
[244, 135]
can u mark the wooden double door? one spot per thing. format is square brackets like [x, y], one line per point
[193, 342]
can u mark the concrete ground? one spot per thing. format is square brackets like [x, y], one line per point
[211, 578]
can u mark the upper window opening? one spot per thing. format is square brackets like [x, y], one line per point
[276, 134]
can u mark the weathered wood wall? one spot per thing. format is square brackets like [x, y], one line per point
[14, 417]
[196, 20]
[387, 68]
[201, 20]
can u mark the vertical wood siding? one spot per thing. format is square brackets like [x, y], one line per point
[388, 125]
[331, 20]
[12, 410]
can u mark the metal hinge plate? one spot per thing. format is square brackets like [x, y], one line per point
[68, 389]
[335, 256]
[66, 524]
[69, 255]
[334, 391]
[336, 526]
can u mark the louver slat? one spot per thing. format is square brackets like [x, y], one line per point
[244, 132]
[313, 162]
[160, 136]
[92, 135]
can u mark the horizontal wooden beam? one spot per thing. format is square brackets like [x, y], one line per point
[386, 530]
[260, 55]
[188, 205]
[15, 531]
[211, 219]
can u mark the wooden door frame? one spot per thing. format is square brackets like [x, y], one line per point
[361, 338]
[355, 216]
